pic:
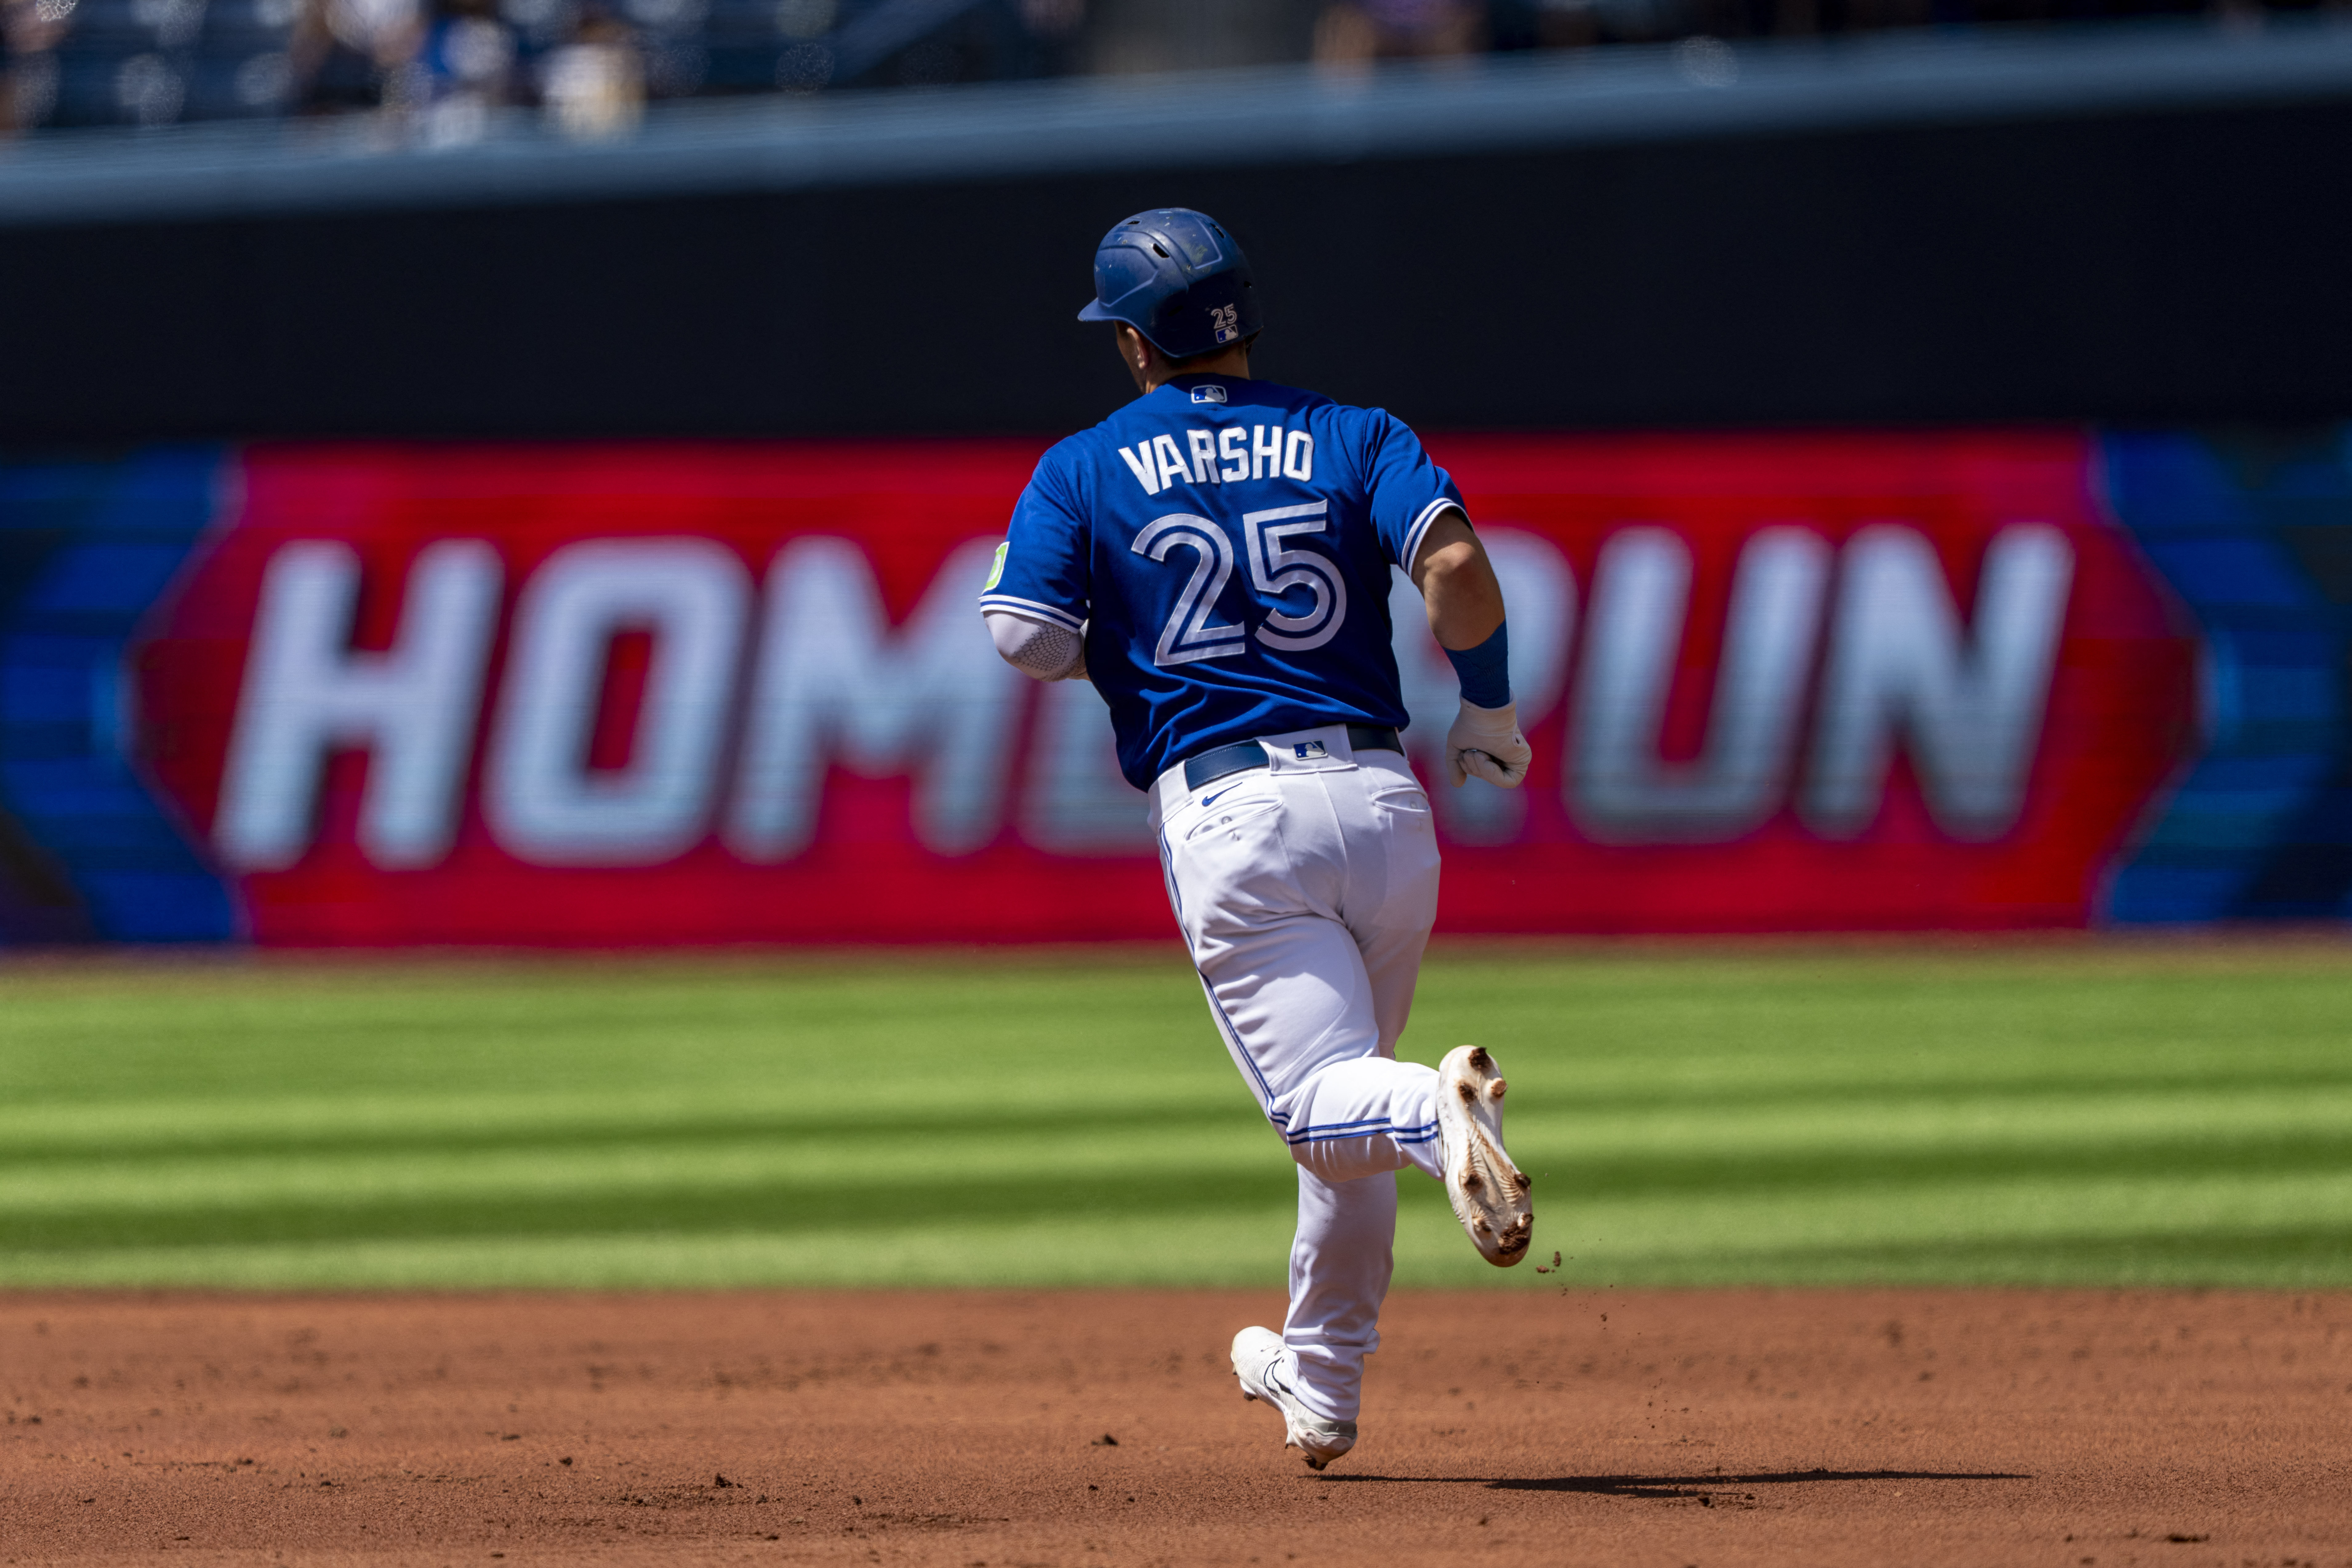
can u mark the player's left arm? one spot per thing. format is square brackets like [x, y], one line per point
[1034, 602]
[1039, 648]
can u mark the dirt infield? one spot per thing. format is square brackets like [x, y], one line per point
[2088, 1430]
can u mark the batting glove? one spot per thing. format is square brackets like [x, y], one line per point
[1485, 742]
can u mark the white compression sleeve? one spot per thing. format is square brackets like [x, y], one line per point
[1037, 649]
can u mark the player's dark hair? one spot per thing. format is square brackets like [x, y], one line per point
[1186, 365]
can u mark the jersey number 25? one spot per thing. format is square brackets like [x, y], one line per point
[1274, 572]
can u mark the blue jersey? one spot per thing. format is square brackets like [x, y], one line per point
[1226, 545]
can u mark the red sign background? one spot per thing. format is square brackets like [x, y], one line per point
[2120, 712]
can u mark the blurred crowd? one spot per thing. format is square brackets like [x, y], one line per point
[442, 72]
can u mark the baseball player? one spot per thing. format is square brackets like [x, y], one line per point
[1216, 557]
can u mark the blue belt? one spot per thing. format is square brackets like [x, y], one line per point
[1244, 755]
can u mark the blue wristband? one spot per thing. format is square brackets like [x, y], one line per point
[1486, 671]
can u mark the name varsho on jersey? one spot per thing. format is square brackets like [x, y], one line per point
[1227, 546]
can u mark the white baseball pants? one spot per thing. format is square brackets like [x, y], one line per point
[1305, 891]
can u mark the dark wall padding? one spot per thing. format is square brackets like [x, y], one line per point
[2174, 267]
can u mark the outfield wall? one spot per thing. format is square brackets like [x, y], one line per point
[2129, 224]
[660, 693]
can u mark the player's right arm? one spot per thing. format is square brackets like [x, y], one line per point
[1457, 583]
[1419, 515]
[1465, 614]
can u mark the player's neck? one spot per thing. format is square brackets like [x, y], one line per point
[1233, 361]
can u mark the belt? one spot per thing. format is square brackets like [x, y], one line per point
[1244, 755]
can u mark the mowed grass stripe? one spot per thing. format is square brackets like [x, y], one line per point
[1893, 1144]
[1781, 1115]
[946, 1033]
[2293, 1258]
[2147, 1230]
[402, 1127]
[1246, 1248]
[1821, 1208]
[1175, 1249]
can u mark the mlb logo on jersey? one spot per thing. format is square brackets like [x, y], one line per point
[1208, 394]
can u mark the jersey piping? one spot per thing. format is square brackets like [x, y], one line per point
[1421, 526]
[1012, 605]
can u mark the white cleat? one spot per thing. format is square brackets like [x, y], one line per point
[1268, 1371]
[1489, 1193]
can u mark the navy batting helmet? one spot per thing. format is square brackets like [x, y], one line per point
[1177, 276]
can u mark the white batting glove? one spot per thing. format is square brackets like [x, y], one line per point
[1485, 742]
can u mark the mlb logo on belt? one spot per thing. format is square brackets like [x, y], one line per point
[1208, 394]
[1305, 751]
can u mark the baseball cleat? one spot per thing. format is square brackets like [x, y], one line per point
[1489, 1193]
[1268, 1371]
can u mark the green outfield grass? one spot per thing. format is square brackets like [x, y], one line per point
[2066, 1112]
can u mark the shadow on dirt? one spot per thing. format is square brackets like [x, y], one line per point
[1677, 1486]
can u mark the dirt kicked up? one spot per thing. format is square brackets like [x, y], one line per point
[1814, 1428]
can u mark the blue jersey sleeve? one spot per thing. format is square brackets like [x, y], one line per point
[1041, 569]
[1405, 489]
